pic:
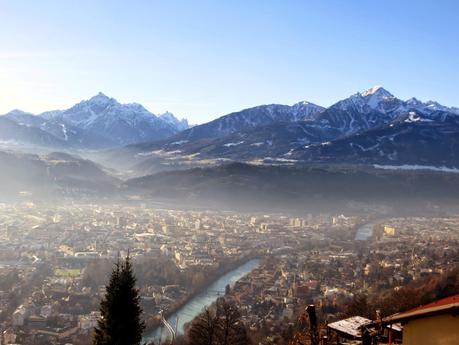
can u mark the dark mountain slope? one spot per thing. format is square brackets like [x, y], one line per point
[11, 131]
[410, 140]
[246, 186]
[56, 174]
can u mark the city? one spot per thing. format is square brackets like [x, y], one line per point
[56, 260]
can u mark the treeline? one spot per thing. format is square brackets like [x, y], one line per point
[414, 294]
[160, 271]
[149, 271]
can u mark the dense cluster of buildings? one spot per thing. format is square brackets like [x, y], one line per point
[328, 271]
[51, 283]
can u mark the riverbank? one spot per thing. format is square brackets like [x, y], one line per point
[204, 297]
[154, 323]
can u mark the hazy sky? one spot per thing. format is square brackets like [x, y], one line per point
[203, 59]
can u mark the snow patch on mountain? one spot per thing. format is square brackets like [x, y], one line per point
[180, 142]
[233, 144]
[64, 131]
[416, 167]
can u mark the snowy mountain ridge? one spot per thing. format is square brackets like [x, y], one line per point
[102, 122]
[369, 127]
[378, 98]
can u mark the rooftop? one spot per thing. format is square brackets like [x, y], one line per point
[350, 326]
[444, 305]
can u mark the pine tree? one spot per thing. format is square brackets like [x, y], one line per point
[120, 322]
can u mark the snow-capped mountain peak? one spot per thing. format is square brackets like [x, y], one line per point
[305, 103]
[168, 116]
[376, 98]
[100, 100]
[413, 101]
[378, 91]
[368, 109]
[171, 119]
[102, 121]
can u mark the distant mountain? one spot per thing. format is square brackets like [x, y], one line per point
[371, 109]
[55, 174]
[362, 111]
[23, 118]
[369, 127]
[248, 119]
[223, 135]
[101, 122]
[180, 125]
[114, 124]
[272, 140]
[245, 187]
[321, 135]
[414, 139]
[23, 132]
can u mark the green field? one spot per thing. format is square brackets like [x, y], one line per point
[67, 272]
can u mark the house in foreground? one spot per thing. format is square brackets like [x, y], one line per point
[436, 323]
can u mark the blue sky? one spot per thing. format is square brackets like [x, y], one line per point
[203, 59]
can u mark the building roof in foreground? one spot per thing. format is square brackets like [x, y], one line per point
[442, 306]
[350, 326]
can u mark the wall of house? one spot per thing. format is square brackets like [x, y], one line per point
[435, 330]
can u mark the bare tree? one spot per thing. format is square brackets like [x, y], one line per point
[220, 325]
[203, 329]
[230, 330]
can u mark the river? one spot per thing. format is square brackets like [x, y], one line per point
[203, 299]
[364, 232]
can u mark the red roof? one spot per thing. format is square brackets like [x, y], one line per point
[443, 305]
[441, 302]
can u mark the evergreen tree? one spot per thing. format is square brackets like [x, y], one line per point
[120, 322]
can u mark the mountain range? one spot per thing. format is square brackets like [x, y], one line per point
[370, 148]
[370, 127]
[97, 123]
